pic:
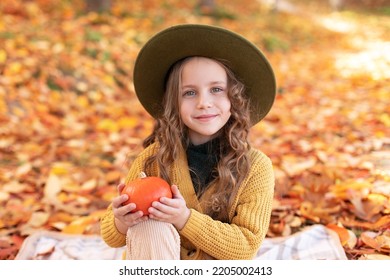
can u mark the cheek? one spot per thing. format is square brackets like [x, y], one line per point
[226, 105]
[183, 110]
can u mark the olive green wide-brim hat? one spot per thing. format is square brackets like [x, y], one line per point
[178, 42]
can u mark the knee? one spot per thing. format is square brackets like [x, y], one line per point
[154, 231]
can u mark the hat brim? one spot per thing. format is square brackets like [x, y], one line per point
[181, 41]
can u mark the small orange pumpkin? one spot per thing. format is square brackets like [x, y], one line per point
[144, 190]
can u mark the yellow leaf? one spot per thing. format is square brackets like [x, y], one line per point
[108, 125]
[380, 134]
[83, 101]
[60, 168]
[79, 226]
[71, 187]
[128, 122]
[343, 189]
[109, 80]
[385, 118]
[377, 198]
[3, 56]
[74, 229]
[62, 197]
[14, 68]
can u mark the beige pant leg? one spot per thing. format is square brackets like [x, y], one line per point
[153, 240]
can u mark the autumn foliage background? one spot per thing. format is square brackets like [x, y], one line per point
[70, 124]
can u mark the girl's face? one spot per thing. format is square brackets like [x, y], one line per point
[203, 99]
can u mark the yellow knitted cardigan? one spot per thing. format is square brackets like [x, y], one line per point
[205, 238]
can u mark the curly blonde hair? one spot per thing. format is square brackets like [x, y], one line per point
[172, 136]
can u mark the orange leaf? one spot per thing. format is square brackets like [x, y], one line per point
[368, 237]
[342, 233]
[113, 176]
[80, 225]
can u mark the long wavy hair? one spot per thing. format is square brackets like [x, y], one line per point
[172, 136]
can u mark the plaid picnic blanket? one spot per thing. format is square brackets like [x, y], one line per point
[313, 243]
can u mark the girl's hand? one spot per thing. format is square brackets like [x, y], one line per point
[123, 218]
[172, 210]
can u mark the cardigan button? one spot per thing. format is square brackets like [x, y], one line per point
[191, 253]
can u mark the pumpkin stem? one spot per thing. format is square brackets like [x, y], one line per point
[142, 175]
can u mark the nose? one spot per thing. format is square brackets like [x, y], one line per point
[204, 101]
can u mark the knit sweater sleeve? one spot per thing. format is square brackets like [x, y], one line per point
[108, 230]
[241, 238]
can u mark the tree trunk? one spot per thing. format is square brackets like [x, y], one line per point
[207, 6]
[98, 6]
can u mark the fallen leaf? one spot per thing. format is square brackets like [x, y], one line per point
[341, 232]
[15, 187]
[8, 253]
[52, 188]
[369, 238]
[352, 240]
[88, 186]
[38, 219]
[344, 190]
[375, 257]
[294, 165]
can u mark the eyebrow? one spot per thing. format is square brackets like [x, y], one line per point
[212, 83]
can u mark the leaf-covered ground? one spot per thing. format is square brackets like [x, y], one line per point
[70, 123]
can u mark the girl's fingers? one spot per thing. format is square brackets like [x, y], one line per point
[117, 201]
[141, 219]
[175, 192]
[160, 207]
[122, 210]
[120, 187]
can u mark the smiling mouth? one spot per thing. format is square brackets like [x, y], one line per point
[205, 117]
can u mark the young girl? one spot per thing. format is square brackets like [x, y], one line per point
[205, 86]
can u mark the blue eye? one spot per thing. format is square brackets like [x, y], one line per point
[189, 93]
[216, 89]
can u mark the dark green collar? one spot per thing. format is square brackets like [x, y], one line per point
[202, 161]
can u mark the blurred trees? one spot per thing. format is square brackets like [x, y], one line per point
[206, 6]
[98, 5]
